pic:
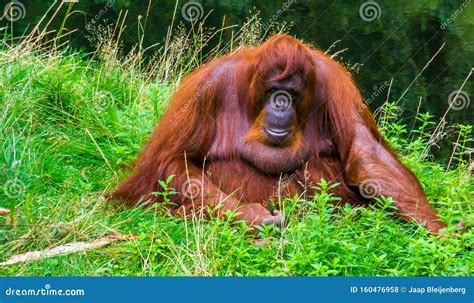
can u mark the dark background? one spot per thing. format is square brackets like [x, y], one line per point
[395, 45]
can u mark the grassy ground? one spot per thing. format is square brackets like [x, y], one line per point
[69, 125]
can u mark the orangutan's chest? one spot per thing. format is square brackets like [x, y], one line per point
[244, 181]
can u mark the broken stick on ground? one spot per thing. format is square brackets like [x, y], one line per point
[66, 249]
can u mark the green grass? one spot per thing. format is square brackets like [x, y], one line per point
[70, 124]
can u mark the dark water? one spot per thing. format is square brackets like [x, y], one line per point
[389, 39]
